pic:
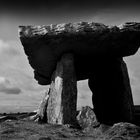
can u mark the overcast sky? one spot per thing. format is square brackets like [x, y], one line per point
[17, 85]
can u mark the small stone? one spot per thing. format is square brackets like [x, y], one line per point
[87, 118]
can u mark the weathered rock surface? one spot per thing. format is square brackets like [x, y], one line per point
[41, 115]
[44, 45]
[87, 118]
[59, 104]
[62, 101]
[123, 131]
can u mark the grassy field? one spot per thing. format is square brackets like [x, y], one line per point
[18, 126]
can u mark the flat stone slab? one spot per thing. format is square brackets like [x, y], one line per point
[44, 45]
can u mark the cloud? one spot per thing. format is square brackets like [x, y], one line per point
[3, 45]
[83, 89]
[134, 82]
[4, 81]
[8, 48]
[135, 85]
[7, 87]
[133, 79]
[12, 57]
[84, 94]
[12, 90]
[15, 67]
[133, 64]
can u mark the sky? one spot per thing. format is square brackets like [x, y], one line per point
[18, 89]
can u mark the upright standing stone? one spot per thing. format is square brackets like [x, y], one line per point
[112, 96]
[62, 102]
[128, 104]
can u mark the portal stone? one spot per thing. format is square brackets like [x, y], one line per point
[62, 102]
[112, 96]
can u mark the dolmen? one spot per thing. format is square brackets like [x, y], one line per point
[63, 54]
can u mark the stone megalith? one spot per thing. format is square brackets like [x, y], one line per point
[112, 95]
[60, 102]
[97, 51]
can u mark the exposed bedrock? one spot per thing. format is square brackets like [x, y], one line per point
[44, 45]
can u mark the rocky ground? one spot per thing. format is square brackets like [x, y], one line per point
[19, 127]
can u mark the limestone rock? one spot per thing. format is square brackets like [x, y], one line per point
[62, 101]
[59, 103]
[87, 118]
[123, 131]
[44, 45]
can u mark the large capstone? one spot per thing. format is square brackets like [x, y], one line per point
[44, 45]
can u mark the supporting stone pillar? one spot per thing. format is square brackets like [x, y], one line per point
[112, 96]
[59, 105]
